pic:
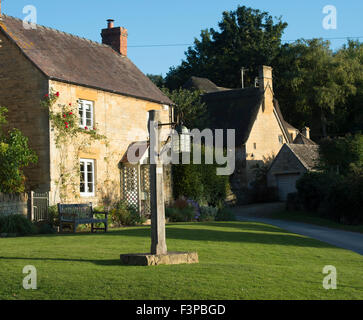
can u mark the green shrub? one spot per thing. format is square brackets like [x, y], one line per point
[207, 213]
[125, 214]
[186, 214]
[332, 196]
[53, 217]
[45, 228]
[314, 188]
[225, 215]
[17, 224]
[293, 202]
[344, 202]
[200, 182]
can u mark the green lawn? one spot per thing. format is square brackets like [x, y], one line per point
[238, 260]
[306, 217]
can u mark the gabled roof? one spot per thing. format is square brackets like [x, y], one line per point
[301, 139]
[285, 126]
[67, 58]
[308, 155]
[234, 109]
[202, 84]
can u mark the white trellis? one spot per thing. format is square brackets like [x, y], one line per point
[136, 187]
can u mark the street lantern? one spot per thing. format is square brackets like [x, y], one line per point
[181, 142]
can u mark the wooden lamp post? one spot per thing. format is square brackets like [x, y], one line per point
[159, 253]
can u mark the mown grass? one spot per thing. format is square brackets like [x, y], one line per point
[238, 260]
[307, 217]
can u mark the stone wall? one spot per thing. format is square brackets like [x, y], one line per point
[285, 163]
[122, 120]
[263, 143]
[13, 204]
[22, 86]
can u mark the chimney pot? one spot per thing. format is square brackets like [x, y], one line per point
[110, 23]
[306, 132]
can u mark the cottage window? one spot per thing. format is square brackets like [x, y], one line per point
[85, 114]
[281, 139]
[87, 181]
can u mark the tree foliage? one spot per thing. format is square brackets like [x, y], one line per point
[316, 86]
[312, 83]
[158, 80]
[15, 155]
[189, 105]
[247, 38]
[200, 182]
[342, 155]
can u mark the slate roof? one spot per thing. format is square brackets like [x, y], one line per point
[234, 109]
[71, 59]
[307, 154]
[301, 139]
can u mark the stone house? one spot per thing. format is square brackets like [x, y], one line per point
[108, 91]
[292, 162]
[254, 113]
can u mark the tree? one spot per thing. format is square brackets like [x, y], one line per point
[342, 155]
[190, 106]
[15, 155]
[349, 115]
[311, 82]
[247, 38]
[158, 80]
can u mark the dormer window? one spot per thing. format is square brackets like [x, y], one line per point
[85, 114]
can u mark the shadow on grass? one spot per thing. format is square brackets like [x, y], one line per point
[97, 262]
[243, 233]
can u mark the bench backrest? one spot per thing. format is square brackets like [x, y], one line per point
[79, 211]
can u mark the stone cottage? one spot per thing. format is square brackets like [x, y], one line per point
[293, 160]
[290, 164]
[254, 113]
[108, 91]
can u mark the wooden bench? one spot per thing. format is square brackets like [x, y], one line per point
[76, 214]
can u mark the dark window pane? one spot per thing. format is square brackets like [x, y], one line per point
[90, 177]
[80, 115]
[82, 187]
[90, 187]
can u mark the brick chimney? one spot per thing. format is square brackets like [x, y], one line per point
[265, 77]
[306, 132]
[115, 37]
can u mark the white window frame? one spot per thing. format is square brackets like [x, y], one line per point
[86, 162]
[82, 104]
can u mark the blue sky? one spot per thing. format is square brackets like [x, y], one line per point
[179, 22]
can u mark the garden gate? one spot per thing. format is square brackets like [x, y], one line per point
[39, 203]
